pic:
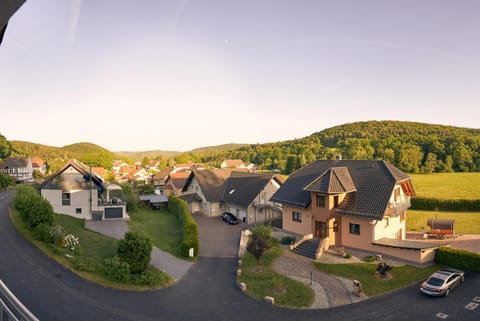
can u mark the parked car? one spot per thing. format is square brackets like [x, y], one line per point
[229, 218]
[442, 282]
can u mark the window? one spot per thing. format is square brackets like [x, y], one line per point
[297, 217]
[335, 201]
[354, 228]
[335, 226]
[65, 199]
[397, 194]
[78, 210]
[320, 200]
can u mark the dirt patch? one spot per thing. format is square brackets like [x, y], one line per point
[279, 290]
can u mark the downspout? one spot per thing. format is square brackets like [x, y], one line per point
[90, 199]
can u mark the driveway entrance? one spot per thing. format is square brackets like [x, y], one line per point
[217, 239]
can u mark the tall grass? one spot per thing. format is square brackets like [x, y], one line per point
[465, 223]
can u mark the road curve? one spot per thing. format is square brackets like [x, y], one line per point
[207, 292]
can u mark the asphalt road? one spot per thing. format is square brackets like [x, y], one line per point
[207, 292]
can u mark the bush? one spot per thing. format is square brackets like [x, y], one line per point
[287, 240]
[433, 204]
[348, 255]
[190, 231]
[369, 258]
[6, 181]
[41, 232]
[32, 207]
[117, 270]
[84, 264]
[41, 212]
[144, 278]
[136, 250]
[459, 259]
[57, 235]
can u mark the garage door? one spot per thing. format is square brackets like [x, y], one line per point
[113, 212]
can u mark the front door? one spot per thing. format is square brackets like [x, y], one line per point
[320, 229]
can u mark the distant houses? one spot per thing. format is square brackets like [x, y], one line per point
[20, 169]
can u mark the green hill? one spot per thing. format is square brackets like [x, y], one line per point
[412, 147]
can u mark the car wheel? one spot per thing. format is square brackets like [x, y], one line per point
[447, 292]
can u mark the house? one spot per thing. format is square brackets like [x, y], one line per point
[176, 181]
[100, 172]
[39, 165]
[243, 194]
[160, 180]
[232, 163]
[247, 197]
[76, 191]
[20, 169]
[352, 203]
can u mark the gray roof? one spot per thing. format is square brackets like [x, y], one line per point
[211, 182]
[368, 188]
[154, 198]
[14, 162]
[69, 181]
[335, 180]
[241, 191]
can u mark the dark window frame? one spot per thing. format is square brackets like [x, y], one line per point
[354, 228]
[321, 201]
[66, 199]
[297, 217]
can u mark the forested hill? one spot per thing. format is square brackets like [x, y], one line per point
[412, 147]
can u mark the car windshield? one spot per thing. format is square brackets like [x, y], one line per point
[435, 281]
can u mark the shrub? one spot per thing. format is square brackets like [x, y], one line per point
[116, 269]
[190, 231]
[369, 258]
[57, 235]
[71, 242]
[84, 264]
[287, 240]
[348, 255]
[136, 250]
[6, 181]
[144, 278]
[41, 232]
[459, 259]
[433, 204]
[41, 212]
[32, 207]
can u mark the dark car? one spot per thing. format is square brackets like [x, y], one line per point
[441, 282]
[229, 218]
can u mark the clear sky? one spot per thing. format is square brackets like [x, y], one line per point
[176, 75]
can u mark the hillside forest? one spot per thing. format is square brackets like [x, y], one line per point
[412, 147]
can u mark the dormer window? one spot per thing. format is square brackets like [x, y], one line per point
[321, 201]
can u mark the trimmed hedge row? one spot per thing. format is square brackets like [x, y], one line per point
[433, 204]
[459, 259]
[190, 231]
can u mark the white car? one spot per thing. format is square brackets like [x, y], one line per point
[442, 282]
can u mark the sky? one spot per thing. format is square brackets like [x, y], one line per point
[178, 74]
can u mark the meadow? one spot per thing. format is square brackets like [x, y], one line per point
[447, 186]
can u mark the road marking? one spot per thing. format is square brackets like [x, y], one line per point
[476, 299]
[471, 306]
[441, 315]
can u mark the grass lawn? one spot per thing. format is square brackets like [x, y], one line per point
[162, 227]
[465, 223]
[372, 285]
[447, 186]
[262, 280]
[94, 246]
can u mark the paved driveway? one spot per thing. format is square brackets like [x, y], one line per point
[217, 238]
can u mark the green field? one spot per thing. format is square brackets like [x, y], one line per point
[447, 186]
[465, 223]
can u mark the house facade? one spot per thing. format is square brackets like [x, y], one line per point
[20, 169]
[39, 165]
[354, 203]
[76, 191]
[243, 194]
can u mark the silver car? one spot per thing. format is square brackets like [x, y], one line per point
[442, 282]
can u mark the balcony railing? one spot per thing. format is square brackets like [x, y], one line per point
[11, 308]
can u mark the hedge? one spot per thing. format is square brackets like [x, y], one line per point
[434, 204]
[179, 208]
[459, 259]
